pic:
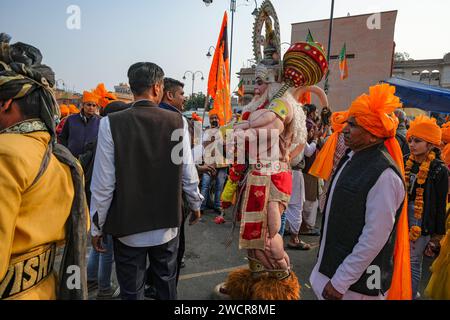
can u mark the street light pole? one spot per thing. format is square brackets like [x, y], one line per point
[209, 51]
[233, 10]
[193, 78]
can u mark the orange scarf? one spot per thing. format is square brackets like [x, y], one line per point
[323, 165]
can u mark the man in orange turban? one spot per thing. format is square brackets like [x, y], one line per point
[64, 109]
[427, 184]
[365, 203]
[81, 129]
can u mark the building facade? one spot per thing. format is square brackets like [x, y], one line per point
[435, 72]
[123, 92]
[369, 40]
[247, 76]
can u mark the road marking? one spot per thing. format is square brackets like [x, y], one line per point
[207, 273]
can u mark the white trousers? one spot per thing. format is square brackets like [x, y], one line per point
[295, 206]
[310, 213]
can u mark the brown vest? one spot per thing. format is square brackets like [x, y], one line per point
[148, 184]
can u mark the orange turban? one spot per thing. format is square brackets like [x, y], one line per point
[73, 109]
[213, 112]
[323, 165]
[446, 132]
[425, 128]
[105, 97]
[374, 112]
[338, 121]
[64, 110]
[90, 97]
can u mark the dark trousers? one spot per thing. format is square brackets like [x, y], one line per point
[181, 246]
[131, 268]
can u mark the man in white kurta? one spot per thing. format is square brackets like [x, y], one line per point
[383, 200]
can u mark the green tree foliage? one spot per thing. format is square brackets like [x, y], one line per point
[195, 102]
[402, 56]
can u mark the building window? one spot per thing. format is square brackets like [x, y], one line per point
[424, 75]
[253, 82]
[435, 75]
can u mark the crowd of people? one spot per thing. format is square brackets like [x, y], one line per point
[66, 176]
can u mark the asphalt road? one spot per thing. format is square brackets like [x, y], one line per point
[208, 260]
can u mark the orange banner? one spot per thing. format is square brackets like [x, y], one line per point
[219, 76]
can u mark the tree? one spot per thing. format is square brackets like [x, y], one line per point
[402, 56]
[196, 101]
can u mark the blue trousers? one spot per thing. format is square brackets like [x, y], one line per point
[99, 267]
[221, 176]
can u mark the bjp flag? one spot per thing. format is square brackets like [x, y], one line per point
[219, 76]
[343, 66]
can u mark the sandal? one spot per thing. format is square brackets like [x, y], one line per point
[312, 232]
[299, 246]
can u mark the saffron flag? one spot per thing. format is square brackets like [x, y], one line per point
[241, 88]
[309, 37]
[343, 67]
[219, 76]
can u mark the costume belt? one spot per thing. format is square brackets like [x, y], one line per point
[270, 167]
[28, 270]
[257, 268]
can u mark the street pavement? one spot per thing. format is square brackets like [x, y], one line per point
[208, 260]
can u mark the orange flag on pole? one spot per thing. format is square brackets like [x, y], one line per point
[219, 76]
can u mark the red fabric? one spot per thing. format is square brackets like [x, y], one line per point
[256, 199]
[252, 230]
[246, 115]
[283, 182]
[237, 172]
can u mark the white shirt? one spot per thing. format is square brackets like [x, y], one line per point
[310, 148]
[103, 185]
[383, 201]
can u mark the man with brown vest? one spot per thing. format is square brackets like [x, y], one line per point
[137, 183]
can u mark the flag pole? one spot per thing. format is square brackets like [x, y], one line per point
[326, 87]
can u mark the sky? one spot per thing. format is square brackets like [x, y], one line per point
[176, 34]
